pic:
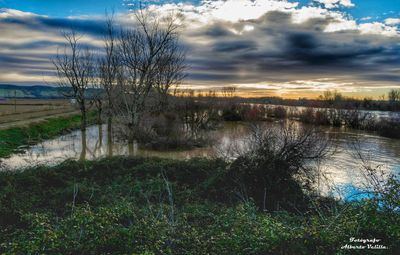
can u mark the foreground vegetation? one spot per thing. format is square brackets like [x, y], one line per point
[157, 206]
[11, 139]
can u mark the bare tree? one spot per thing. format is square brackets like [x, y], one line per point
[374, 176]
[195, 115]
[75, 70]
[152, 61]
[228, 92]
[109, 67]
[394, 95]
[169, 73]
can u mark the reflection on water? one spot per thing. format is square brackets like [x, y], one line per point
[342, 169]
[374, 113]
[84, 146]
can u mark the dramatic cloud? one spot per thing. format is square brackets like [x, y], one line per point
[263, 47]
[276, 49]
[320, 47]
[29, 41]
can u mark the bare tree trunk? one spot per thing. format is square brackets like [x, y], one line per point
[83, 118]
[99, 112]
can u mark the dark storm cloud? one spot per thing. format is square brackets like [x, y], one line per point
[39, 44]
[11, 60]
[42, 44]
[213, 77]
[277, 47]
[383, 77]
[227, 46]
[92, 27]
[84, 26]
[216, 31]
[309, 49]
[29, 42]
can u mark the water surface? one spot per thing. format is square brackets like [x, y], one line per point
[342, 173]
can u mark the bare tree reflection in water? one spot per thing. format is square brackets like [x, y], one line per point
[99, 143]
[133, 148]
[82, 157]
[109, 139]
[339, 171]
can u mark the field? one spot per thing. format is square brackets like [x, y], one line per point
[158, 206]
[25, 111]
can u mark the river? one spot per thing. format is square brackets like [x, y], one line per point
[342, 170]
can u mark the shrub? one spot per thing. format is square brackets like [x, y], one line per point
[307, 115]
[279, 112]
[389, 128]
[321, 118]
[231, 114]
[274, 169]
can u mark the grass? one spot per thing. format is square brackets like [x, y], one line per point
[11, 139]
[158, 206]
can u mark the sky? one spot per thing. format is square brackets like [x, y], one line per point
[281, 48]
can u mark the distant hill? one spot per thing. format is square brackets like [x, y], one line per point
[34, 92]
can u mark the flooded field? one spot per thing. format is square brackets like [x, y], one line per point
[342, 173]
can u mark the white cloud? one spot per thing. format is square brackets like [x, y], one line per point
[392, 21]
[7, 13]
[341, 25]
[227, 10]
[305, 13]
[235, 11]
[248, 28]
[245, 9]
[335, 18]
[378, 28]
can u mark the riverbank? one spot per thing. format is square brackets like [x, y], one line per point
[13, 138]
[159, 206]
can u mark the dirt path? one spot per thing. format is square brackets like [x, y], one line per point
[26, 119]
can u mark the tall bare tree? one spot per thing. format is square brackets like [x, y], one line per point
[152, 61]
[75, 70]
[109, 67]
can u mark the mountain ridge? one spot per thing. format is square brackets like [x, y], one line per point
[34, 91]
